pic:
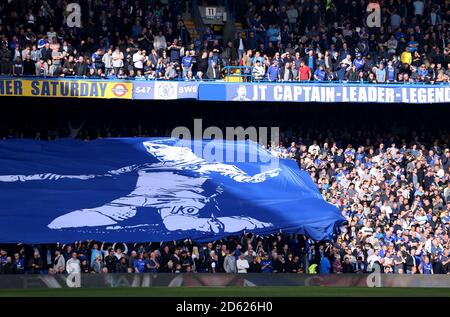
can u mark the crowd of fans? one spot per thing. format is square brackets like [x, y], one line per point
[396, 200]
[298, 40]
[393, 192]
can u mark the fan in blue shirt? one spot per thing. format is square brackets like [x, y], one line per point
[139, 265]
[272, 72]
[319, 74]
[390, 72]
[325, 265]
[359, 62]
[186, 61]
[266, 264]
[426, 267]
[19, 261]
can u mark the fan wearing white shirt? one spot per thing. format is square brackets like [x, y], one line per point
[242, 264]
[73, 264]
[138, 60]
[313, 147]
[374, 257]
[117, 60]
[386, 208]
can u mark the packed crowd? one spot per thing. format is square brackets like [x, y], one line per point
[395, 197]
[393, 192]
[331, 41]
[298, 40]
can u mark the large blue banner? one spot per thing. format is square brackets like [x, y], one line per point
[325, 93]
[135, 190]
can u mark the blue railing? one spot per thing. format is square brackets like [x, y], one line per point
[244, 72]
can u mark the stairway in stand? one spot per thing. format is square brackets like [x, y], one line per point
[190, 26]
[238, 27]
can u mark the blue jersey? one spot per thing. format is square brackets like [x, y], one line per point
[426, 268]
[268, 269]
[95, 56]
[20, 264]
[273, 73]
[320, 74]
[186, 61]
[390, 73]
[422, 72]
[360, 157]
[359, 63]
[325, 265]
[139, 264]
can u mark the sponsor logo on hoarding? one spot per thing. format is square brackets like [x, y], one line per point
[119, 90]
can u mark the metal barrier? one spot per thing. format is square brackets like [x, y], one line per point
[238, 73]
[229, 71]
[176, 79]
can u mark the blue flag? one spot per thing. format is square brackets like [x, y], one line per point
[153, 189]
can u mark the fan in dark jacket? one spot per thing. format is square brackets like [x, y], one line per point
[9, 267]
[29, 66]
[122, 266]
[292, 264]
[212, 72]
[286, 73]
[35, 264]
[81, 67]
[347, 266]
[255, 266]
[110, 261]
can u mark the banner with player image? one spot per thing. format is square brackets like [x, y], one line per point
[325, 92]
[141, 189]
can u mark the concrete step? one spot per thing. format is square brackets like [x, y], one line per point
[190, 26]
[238, 27]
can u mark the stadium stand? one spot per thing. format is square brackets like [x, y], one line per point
[307, 40]
[391, 181]
[392, 187]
